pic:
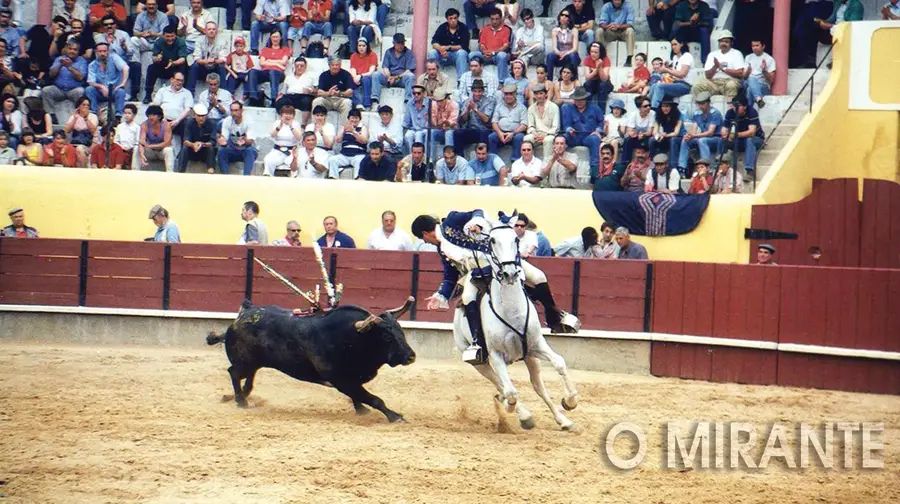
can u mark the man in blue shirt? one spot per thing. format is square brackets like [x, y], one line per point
[269, 16]
[335, 88]
[107, 76]
[148, 27]
[488, 168]
[582, 124]
[450, 43]
[415, 118]
[475, 115]
[333, 238]
[166, 229]
[617, 23]
[68, 74]
[742, 131]
[704, 133]
[397, 69]
[376, 166]
[452, 169]
[119, 44]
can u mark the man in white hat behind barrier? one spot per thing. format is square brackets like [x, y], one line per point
[724, 70]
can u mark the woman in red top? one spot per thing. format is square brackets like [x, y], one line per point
[596, 74]
[273, 59]
[363, 64]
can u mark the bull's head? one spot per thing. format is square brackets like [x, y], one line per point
[386, 327]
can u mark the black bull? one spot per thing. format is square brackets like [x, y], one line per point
[343, 348]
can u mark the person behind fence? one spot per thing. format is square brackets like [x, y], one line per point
[463, 246]
[18, 229]
[255, 231]
[166, 229]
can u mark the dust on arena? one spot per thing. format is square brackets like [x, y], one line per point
[149, 424]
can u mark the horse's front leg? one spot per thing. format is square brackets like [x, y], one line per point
[534, 372]
[543, 351]
[526, 421]
[509, 392]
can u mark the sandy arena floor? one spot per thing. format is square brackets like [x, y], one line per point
[147, 424]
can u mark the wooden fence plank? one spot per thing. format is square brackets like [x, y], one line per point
[127, 250]
[125, 267]
[40, 247]
[22, 264]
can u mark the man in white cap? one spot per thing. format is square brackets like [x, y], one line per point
[199, 141]
[764, 254]
[724, 70]
[662, 179]
[18, 229]
[166, 229]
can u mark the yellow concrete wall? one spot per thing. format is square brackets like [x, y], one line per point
[70, 203]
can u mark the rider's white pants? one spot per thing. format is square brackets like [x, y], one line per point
[533, 276]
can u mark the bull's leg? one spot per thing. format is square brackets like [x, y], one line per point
[248, 383]
[508, 391]
[542, 350]
[534, 372]
[236, 383]
[360, 408]
[526, 421]
[359, 395]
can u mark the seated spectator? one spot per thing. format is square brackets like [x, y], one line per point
[155, 141]
[433, 80]
[388, 237]
[354, 139]
[128, 133]
[292, 238]
[18, 229]
[639, 82]
[614, 126]
[361, 15]
[566, 86]
[475, 118]
[60, 152]
[106, 77]
[165, 6]
[519, 79]
[193, 25]
[742, 131]
[298, 90]
[99, 11]
[397, 69]
[605, 176]
[634, 178]
[707, 122]
[529, 41]
[668, 131]
[273, 62]
[166, 229]
[83, 127]
[543, 121]
[334, 238]
[217, 100]
[510, 11]
[323, 129]
[476, 73]
[541, 72]
[269, 16]
[29, 151]
[9, 78]
[101, 157]
[627, 248]
[38, 121]
[70, 10]
[543, 249]
[509, 122]
[494, 44]
[587, 245]
[414, 167]
[583, 19]
[596, 75]
[236, 143]
[487, 168]
[661, 18]
[176, 102]
[210, 54]
[299, 16]
[663, 179]
[286, 133]
[453, 170]
[891, 11]
[702, 181]
[639, 126]
[199, 141]
[450, 43]
[677, 78]
[67, 76]
[320, 12]
[528, 241]
[693, 23]
[527, 171]
[582, 124]
[255, 231]
[169, 60]
[119, 44]
[238, 65]
[564, 45]
[8, 155]
[78, 34]
[363, 67]
[38, 40]
[617, 23]
[415, 118]
[844, 11]
[475, 9]
[727, 180]
[759, 74]
[335, 88]
[11, 120]
[444, 119]
[377, 167]
[149, 27]
[723, 71]
[560, 167]
[309, 161]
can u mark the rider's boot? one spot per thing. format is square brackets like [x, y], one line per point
[477, 351]
[541, 292]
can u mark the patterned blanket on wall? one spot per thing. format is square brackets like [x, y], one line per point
[652, 214]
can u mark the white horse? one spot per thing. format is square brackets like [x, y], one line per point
[512, 332]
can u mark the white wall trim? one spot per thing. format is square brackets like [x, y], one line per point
[861, 34]
[446, 326]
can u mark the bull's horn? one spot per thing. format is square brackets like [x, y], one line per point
[398, 312]
[364, 325]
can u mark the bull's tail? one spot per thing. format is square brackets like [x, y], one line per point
[214, 339]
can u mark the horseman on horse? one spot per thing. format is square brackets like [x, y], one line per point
[463, 241]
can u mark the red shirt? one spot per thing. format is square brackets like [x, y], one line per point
[319, 10]
[590, 63]
[362, 64]
[494, 40]
[642, 73]
[116, 156]
[117, 10]
[273, 54]
[298, 15]
[65, 156]
[697, 185]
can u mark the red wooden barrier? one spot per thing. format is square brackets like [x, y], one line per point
[40, 272]
[125, 275]
[208, 277]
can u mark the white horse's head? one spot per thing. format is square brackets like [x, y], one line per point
[505, 257]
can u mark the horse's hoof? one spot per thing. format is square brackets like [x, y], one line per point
[569, 427]
[242, 404]
[566, 406]
[527, 423]
[397, 419]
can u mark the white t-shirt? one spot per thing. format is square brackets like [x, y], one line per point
[528, 243]
[232, 131]
[327, 128]
[731, 60]
[304, 168]
[613, 124]
[285, 136]
[634, 120]
[394, 131]
[755, 63]
[127, 135]
[532, 169]
[685, 60]
[398, 240]
[298, 85]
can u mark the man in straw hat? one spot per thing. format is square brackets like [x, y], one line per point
[724, 70]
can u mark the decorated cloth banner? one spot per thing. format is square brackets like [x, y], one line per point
[652, 214]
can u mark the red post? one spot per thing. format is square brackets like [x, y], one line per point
[420, 33]
[781, 44]
[44, 12]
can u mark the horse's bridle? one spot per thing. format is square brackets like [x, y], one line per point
[517, 262]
